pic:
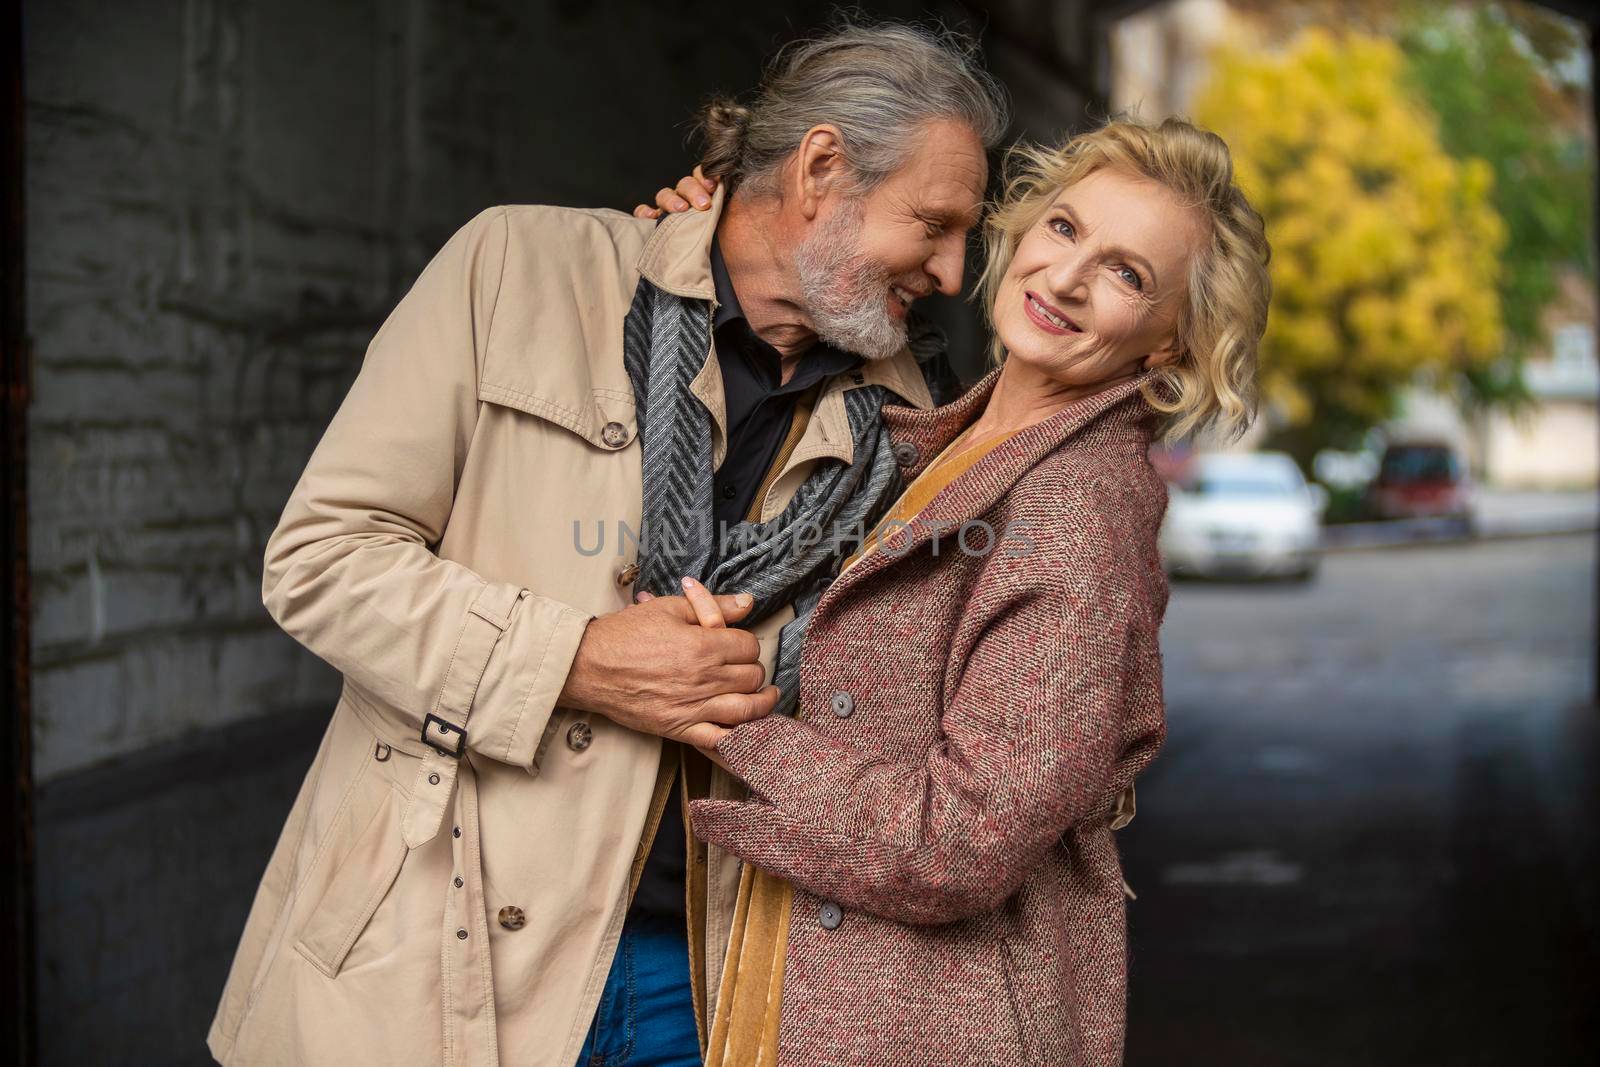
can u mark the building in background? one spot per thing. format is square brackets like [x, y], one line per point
[1556, 443]
[1161, 56]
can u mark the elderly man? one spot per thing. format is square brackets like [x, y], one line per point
[569, 406]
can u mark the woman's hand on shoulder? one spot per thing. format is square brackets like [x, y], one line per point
[694, 190]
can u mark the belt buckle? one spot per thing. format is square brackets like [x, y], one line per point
[444, 728]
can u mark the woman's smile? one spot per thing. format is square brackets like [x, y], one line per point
[1048, 317]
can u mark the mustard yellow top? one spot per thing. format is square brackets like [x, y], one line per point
[744, 1032]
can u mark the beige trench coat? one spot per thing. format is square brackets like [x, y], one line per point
[440, 551]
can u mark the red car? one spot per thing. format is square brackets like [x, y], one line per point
[1422, 480]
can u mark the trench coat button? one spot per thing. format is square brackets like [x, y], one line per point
[455, 831]
[843, 704]
[906, 453]
[628, 575]
[830, 916]
[579, 734]
[461, 934]
[433, 779]
[614, 434]
[512, 918]
[459, 883]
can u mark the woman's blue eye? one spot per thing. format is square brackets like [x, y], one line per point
[1131, 276]
[1062, 224]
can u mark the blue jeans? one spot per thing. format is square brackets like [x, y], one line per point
[646, 1013]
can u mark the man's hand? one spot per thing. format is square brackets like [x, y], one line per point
[672, 666]
[696, 189]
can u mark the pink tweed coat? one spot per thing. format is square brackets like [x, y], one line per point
[942, 801]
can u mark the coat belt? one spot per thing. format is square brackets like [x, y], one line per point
[445, 729]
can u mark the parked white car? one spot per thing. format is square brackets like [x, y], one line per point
[1244, 514]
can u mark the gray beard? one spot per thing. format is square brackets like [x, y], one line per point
[843, 291]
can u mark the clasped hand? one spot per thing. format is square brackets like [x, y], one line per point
[673, 666]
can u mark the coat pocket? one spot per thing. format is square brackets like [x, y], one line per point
[363, 879]
[1012, 980]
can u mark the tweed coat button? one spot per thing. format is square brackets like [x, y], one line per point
[614, 434]
[843, 704]
[579, 734]
[830, 915]
[906, 453]
[512, 917]
[628, 575]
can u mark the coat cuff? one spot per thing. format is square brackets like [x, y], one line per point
[786, 762]
[770, 839]
[725, 823]
[524, 679]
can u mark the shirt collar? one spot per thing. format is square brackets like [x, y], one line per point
[727, 300]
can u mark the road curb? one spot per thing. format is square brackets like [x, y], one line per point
[1420, 533]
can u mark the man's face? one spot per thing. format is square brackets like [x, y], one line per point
[868, 257]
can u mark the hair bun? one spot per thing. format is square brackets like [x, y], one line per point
[723, 128]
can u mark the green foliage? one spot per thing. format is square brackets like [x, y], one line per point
[1386, 248]
[1500, 79]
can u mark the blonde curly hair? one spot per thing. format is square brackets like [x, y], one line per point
[1212, 383]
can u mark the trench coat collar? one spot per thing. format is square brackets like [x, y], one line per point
[677, 258]
[988, 480]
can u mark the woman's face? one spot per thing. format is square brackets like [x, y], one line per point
[1093, 292]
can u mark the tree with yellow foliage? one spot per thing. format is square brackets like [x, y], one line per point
[1385, 250]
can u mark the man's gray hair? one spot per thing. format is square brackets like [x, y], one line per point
[878, 83]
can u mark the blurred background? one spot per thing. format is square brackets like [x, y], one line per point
[1370, 838]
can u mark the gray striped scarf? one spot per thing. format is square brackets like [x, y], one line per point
[791, 557]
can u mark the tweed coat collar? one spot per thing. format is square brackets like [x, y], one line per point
[988, 480]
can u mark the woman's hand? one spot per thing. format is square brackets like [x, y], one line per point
[696, 189]
[703, 736]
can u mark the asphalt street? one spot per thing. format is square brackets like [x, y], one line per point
[1369, 838]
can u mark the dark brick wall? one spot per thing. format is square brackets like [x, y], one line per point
[225, 198]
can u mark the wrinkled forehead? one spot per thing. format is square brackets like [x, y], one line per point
[1108, 188]
[944, 178]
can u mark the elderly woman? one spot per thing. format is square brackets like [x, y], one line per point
[930, 871]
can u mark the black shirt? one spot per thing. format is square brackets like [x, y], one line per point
[760, 414]
[760, 410]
